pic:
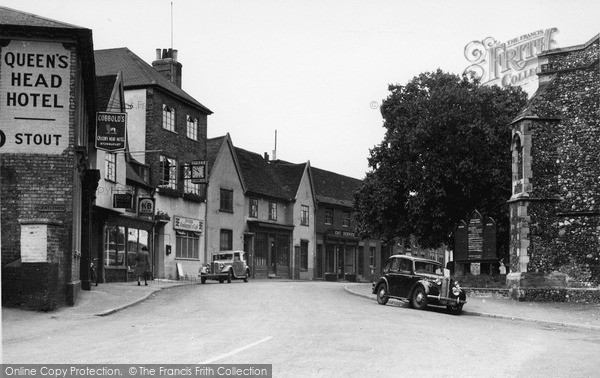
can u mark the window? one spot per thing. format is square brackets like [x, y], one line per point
[372, 256]
[188, 186]
[272, 211]
[253, 208]
[304, 215]
[192, 128]
[168, 119]
[187, 244]
[304, 255]
[121, 244]
[346, 219]
[226, 200]
[168, 172]
[226, 243]
[328, 216]
[110, 166]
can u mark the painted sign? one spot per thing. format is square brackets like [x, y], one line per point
[187, 224]
[110, 131]
[146, 207]
[510, 63]
[34, 97]
[475, 239]
[122, 200]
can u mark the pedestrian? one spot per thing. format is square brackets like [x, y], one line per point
[142, 265]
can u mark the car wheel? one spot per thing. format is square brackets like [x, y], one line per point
[229, 277]
[203, 280]
[382, 297]
[246, 276]
[419, 298]
[456, 309]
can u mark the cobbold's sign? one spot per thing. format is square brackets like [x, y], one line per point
[510, 63]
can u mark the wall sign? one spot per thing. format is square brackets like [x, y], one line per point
[122, 201]
[34, 97]
[187, 224]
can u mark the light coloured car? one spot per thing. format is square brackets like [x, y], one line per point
[225, 266]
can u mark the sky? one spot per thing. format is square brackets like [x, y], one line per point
[307, 77]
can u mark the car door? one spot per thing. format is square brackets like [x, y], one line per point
[393, 276]
[405, 277]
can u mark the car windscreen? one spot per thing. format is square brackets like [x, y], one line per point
[427, 267]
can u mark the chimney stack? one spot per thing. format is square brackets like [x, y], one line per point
[166, 63]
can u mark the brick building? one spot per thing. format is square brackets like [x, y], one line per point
[47, 109]
[555, 203]
[166, 129]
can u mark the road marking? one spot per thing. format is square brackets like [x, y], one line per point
[236, 351]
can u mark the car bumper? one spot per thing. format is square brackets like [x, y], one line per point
[445, 301]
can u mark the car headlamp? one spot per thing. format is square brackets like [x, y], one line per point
[456, 290]
[438, 281]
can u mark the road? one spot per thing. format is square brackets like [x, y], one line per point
[305, 329]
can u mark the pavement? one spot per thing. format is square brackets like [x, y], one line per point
[106, 299]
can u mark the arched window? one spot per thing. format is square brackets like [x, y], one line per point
[518, 150]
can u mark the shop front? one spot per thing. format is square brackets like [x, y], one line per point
[340, 255]
[119, 239]
[272, 249]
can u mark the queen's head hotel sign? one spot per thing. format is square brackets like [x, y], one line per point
[34, 97]
[513, 62]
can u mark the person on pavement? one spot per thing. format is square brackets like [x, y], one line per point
[142, 265]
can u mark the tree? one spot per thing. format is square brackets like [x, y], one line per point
[446, 152]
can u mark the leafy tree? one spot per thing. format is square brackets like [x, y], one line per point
[446, 152]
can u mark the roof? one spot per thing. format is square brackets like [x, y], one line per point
[213, 146]
[271, 179]
[415, 258]
[139, 74]
[104, 89]
[9, 16]
[333, 188]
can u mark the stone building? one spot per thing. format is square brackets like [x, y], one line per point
[555, 203]
[47, 115]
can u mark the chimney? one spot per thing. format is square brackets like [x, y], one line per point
[166, 63]
[266, 156]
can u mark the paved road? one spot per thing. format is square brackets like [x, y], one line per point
[304, 329]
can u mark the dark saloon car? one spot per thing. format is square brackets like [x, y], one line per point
[420, 282]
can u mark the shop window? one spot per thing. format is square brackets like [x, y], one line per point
[329, 216]
[304, 255]
[272, 211]
[226, 200]
[121, 244]
[253, 208]
[226, 243]
[168, 118]
[110, 166]
[304, 215]
[187, 244]
[192, 128]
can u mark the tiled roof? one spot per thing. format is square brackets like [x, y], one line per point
[213, 146]
[104, 88]
[277, 179]
[333, 188]
[10, 16]
[138, 74]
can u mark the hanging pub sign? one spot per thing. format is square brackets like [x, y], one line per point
[146, 207]
[475, 239]
[110, 131]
